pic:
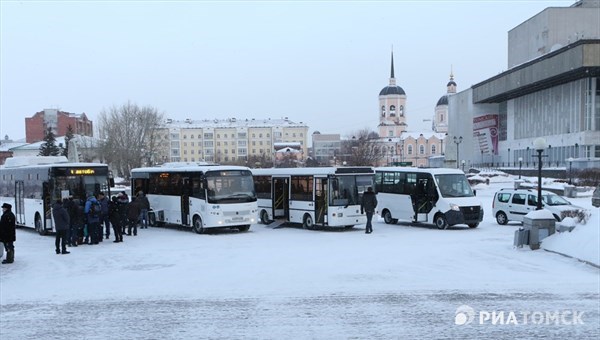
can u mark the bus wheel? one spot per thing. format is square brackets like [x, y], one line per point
[473, 225]
[198, 228]
[264, 217]
[244, 228]
[39, 227]
[387, 217]
[308, 222]
[440, 221]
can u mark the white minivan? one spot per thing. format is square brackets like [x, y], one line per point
[513, 204]
[439, 196]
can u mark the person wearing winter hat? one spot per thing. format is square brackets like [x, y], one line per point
[8, 232]
[62, 223]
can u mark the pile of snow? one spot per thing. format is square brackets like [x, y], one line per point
[582, 243]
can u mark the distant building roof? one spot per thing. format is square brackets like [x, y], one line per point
[7, 146]
[231, 123]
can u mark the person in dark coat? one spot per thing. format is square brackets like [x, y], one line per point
[77, 219]
[368, 205]
[8, 232]
[114, 215]
[133, 214]
[123, 201]
[62, 224]
[144, 207]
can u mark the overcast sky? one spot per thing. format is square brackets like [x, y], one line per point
[321, 63]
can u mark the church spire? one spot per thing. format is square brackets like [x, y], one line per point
[392, 78]
[451, 84]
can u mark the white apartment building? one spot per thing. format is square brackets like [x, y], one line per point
[229, 140]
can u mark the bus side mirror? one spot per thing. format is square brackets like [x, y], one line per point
[474, 192]
[111, 182]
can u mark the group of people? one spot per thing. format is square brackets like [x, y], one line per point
[88, 222]
[91, 222]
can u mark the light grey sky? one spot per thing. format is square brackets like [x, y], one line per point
[322, 63]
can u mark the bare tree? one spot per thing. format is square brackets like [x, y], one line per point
[363, 148]
[130, 137]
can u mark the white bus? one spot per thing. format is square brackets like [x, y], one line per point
[32, 184]
[440, 196]
[314, 197]
[198, 195]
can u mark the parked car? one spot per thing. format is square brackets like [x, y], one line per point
[513, 204]
[596, 197]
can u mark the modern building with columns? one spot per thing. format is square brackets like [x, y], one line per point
[551, 90]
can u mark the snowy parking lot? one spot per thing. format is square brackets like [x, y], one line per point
[402, 281]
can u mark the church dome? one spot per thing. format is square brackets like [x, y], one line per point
[443, 100]
[451, 83]
[391, 90]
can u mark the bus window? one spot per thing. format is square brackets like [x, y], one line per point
[198, 188]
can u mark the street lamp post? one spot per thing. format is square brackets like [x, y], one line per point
[508, 163]
[457, 141]
[520, 164]
[481, 157]
[570, 160]
[539, 144]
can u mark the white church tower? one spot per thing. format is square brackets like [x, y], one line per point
[392, 108]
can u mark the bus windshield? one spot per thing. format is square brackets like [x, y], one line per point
[454, 185]
[230, 186]
[347, 190]
[78, 186]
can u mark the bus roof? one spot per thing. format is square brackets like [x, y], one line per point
[41, 163]
[188, 168]
[433, 171]
[313, 171]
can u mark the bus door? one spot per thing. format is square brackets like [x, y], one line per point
[424, 197]
[321, 200]
[19, 202]
[46, 206]
[185, 201]
[281, 198]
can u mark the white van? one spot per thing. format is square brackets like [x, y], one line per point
[513, 204]
[438, 195]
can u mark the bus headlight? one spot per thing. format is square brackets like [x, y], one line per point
[454, 207]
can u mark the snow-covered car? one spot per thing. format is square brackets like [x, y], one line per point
[514, 204]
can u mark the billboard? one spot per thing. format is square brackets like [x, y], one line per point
[485, 134]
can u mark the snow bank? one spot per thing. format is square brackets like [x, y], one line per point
[582, 243]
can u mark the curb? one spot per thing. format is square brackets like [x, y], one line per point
[571, 257]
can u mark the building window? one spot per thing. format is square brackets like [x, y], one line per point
[433, 149]
[383, 111]
[401, 111]
[392, 110]
[410, 149]
[441, 118]
[421, 149]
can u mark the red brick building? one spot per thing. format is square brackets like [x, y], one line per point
[36, 126]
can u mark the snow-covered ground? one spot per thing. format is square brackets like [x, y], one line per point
[401, 281]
